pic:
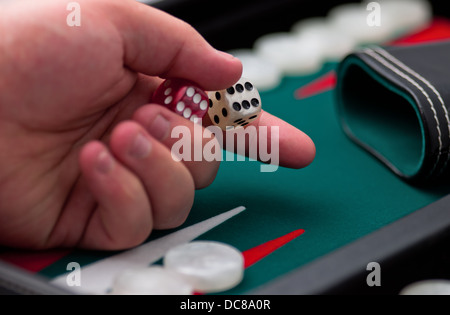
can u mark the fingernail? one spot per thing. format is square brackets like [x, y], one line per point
[105, 162]
[159, 128]
[226, 55]
[141, 147]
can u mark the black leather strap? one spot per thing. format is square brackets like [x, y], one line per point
[394, 102]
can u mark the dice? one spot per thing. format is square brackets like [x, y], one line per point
[182, 97]
[235, 107]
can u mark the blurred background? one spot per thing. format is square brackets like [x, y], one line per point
[235, 24]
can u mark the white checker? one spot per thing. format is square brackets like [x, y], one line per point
[208, 266]
[352, 20]
[99, 276]
[261, 72]
[168, 100]
[190, 91]
[180, 106]
[428, 287]
[291, 54]
[335, 44]
[406, 15]
[167, 91]
[150, 281]
[187, 113]
[197, 98]
[167, 83]
[310, 25]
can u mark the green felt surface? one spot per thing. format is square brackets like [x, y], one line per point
[344, 195]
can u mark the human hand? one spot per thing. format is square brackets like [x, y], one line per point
[84, 159]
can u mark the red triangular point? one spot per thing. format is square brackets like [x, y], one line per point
[33, 261]
[437, 31]
[257, 253]
[323, 84]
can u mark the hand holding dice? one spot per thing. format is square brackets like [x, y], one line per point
[232, 108]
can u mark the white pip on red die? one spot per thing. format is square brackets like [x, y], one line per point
[235, 107]
[182, 97]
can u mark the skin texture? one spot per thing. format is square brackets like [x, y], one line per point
[85, 157]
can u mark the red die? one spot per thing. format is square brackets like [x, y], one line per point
[182, 97]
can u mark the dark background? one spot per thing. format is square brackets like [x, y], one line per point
[229, 24]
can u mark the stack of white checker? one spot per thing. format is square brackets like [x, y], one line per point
[428, 287]
[196, 267]
[312, 42]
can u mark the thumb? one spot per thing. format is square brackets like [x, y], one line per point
[158, 44]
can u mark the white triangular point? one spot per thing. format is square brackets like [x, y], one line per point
[97, 277]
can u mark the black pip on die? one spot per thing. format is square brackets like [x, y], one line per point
[236, 106]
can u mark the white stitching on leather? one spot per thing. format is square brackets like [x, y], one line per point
[397, 71]
[387, 55]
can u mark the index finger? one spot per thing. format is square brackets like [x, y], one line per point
[294, 149]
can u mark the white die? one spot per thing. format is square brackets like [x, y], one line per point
[236, 106]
